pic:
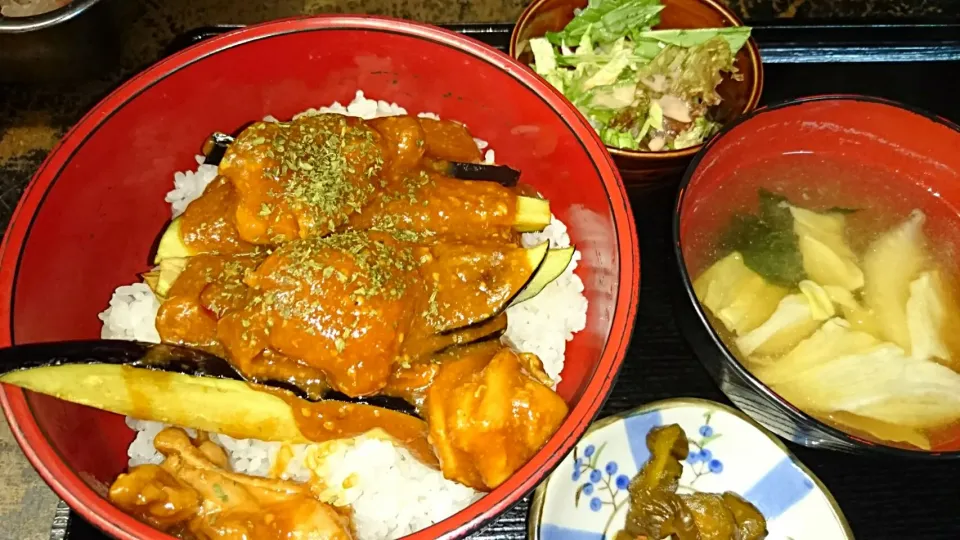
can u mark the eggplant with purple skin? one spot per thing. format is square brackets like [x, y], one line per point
[533, 269]
[178, 386]
[89, 371]
[215, 147]
[552, 267]
[531, 213]
[172, 261]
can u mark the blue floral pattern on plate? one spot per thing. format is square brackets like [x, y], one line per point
[604, 488]
[586, 498]
[701, 457]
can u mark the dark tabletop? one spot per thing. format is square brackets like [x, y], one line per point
[881, 498]
[33, 116]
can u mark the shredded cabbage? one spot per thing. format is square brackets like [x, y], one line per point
[611, 43]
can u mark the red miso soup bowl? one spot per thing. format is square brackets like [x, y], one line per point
[87, 221]
[855, 152]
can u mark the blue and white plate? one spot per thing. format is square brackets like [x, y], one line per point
[586, 497]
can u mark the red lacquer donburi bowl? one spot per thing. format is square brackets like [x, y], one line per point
[87, 221]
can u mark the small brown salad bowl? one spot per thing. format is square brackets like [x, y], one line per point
[739, 94]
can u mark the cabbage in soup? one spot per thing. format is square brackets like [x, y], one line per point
[836, 286]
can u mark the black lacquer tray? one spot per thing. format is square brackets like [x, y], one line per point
[915, 63]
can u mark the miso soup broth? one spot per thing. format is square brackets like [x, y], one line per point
[836, 285]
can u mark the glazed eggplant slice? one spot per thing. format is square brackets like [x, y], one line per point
[501, 174]
[161, 278]
[474, 284]
[224, 406]
[440, 343]
[190, 388]
[170, 384]
[554, 264]
[171, 244]
[135, 354]
[532, 214]
[215, 147]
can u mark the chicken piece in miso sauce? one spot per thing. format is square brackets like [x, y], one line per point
[345, 308]
[835, 285]
[209, 224]
[194, 495]
[489, 410]
[326, 173]
[301, 178]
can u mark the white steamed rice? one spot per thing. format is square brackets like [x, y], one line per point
[391, 493]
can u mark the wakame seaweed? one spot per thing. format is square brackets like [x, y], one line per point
[767, 241]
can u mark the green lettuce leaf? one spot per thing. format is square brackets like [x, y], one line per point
[612, 97]
[600, 58]
[618, 138]
[610, 71]
[544, 58]
[695, 134]
[609, 20]
[735, 36]
[647, 49]
[611, 46]
[694, 72]
[545, 64]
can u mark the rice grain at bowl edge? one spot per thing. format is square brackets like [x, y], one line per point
[391, 493]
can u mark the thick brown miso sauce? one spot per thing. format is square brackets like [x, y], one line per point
[374, 175]
[418, 263]
[338, 303]
[882, 198]
[319, 421]
[301, 178]
[208, 287]
[316, 175]
[340, 310]
[488, 414]
[439, 208]
[329, 420]
[426, 344]
[354, 304]
[410, 381]
[271, 365]
[415, 196]
[471, 282]
[209, 223]
[449, 141]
